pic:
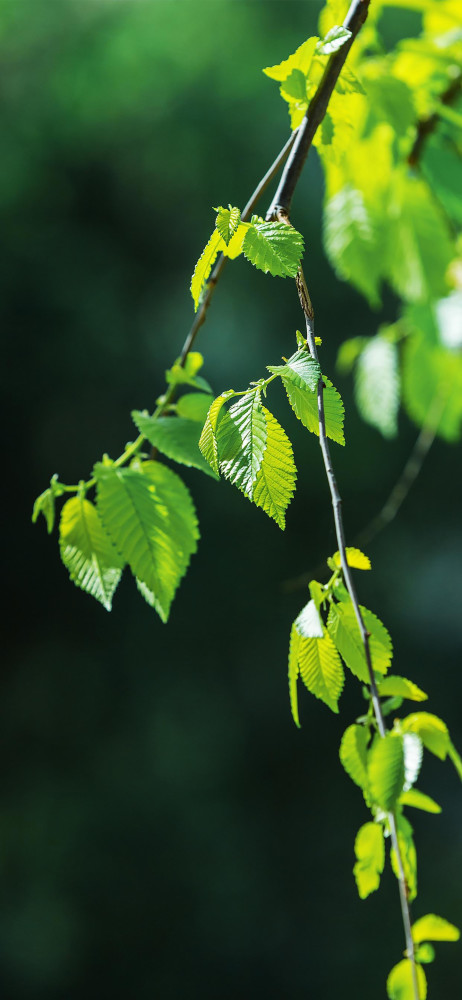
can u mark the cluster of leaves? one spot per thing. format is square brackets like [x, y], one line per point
[248, 446]
[144, 515]
[391, 216]
[324, 637]
[273, 247]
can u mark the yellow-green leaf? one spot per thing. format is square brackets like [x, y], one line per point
[355, 558]
[370, 855]
[400, 983]
[275, 483]
[87, 551]
[433, 928]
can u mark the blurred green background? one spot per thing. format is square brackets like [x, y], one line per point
[164, 828]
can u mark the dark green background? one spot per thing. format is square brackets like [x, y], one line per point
[164, 828]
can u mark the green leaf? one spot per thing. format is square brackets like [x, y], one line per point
[419, 248]
[353, 755]
[390, 99]
[194, 406]
[303, 366]
[208, 440]
[293, 673]
[456, 759]
[294, 87]
[204, 265]
[349, 352]
[227, 222]
[87, 552]
[355, 558]
[432, 376]
[370, 854]
[344, 632]
[413, 753]
[319, 666]
[425, 953]
[334, 40]
[432, 731]
[150, 516]
[408, 856]
[433, 928]
[274, 247]
[393, 685]
[45, 504]
[440, 165]
[301, 59]
[186, 374]
[241, 438]
[400, 984]
[352, 244]
[386, 770]
[275, 481]
[175, 437]
[418, 800]
[377, 387]
[304, 403]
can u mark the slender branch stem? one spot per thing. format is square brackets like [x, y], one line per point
[426, 126]
[317, 108]
[408, 476]
[365, 636]
[221, 261]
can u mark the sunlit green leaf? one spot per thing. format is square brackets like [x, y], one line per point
[377, 387]
[355, 558]
[175, 437]
[301, 60]
[370, 855]
[408, 856]
[344, 632]
[432, 386]
[274, 247]
[208, 440]
[419, 249]
[227, 222]
[353, 755]
[87, 552]
[303, 366]
[352, 243]
[393, 685]
[150, 517]
[418, 800]
[204, 265]
[432, 731]
[304, 403]
[400, 983]
[242, 437]
[433, 928]
[194, 406]
[386, 770]
[45, 504]
[275, 481]
[335, 38]
[319, 666]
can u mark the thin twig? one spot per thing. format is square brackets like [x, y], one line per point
[316, 110]
[398, 494]
[365, 635]
[221, 261]
[426, 126]
[408, 476]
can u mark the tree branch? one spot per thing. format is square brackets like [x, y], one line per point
[217, 270]
[318, 106]
[365, 635]
[426, 126]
